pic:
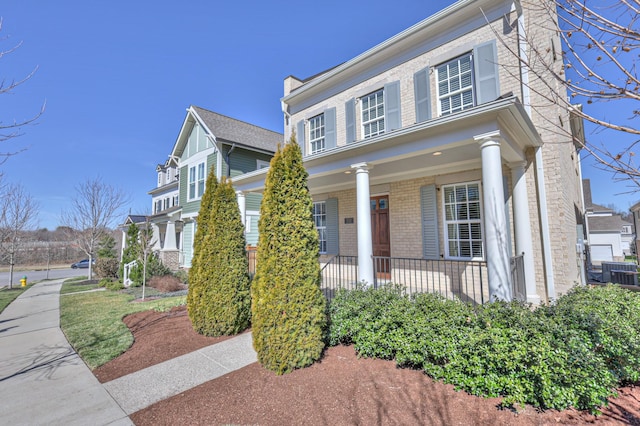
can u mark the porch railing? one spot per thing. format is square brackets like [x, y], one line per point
[464, 280]
[453, 279]
[339, 272]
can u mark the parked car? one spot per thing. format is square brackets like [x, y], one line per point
[84, 263]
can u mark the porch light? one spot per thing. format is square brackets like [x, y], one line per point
[435, 154]
[347, 172]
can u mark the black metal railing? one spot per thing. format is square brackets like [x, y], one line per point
[453, 279]
[464, 280]
[339, 272]
[519, 287]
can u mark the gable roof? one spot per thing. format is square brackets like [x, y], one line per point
[222, 129]
[237, 131]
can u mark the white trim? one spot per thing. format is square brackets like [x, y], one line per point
[261, 164]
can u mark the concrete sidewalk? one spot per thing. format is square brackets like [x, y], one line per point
[42, 379]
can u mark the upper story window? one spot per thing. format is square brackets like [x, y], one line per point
[196, 181]
[159, 179]
[455, 85]
[463, 221]
[373, 114]
[316, 133]
[320, 220]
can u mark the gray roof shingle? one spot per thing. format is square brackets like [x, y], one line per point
[235, 131]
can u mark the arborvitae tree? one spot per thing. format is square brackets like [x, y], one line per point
[288, 308]
[106, 247]
[200, 262]
[226, 297]
[130, 253]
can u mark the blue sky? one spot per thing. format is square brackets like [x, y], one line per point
[118, 76]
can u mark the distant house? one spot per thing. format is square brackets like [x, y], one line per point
[609, 235]
[425, 160]
[207, 141]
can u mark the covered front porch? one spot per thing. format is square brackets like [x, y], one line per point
[440, 206]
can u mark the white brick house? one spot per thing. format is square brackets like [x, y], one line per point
[425, 147]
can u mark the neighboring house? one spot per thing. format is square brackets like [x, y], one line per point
[424, 151]
[206, 141]
[635, 212]
[609, 235]
[137, 219]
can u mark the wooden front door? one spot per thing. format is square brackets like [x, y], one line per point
[380, 233]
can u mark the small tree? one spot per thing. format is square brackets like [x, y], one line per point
[226, 298]
[200, 262]
[18, 214]
[131, 252]
[288, 308]
[92, 213]
[145, 244]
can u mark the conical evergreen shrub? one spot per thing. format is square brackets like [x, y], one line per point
[199, 262]
[288, 308]
[226, 296]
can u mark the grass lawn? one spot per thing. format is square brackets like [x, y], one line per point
[93, 323]
[9, 295]
[74, 287]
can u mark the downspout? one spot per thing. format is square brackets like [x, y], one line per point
[540, 181]
[228, 157]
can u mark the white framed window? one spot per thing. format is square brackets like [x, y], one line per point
[455, 85]
[316, 133]
[463, 221]
[261, 164]
[372, 114]
[196, 181]
[201, 178]
[192, 182]
[159, 179]
[320, 221]
[176, 201]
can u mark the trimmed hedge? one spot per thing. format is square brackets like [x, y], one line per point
[197, 281]
[226, 296]
[288, 308]
[571, 354]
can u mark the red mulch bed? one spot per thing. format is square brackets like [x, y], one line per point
[341, 389]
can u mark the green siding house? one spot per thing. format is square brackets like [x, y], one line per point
[209, 142]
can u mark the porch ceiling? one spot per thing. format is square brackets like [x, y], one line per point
[409, 152]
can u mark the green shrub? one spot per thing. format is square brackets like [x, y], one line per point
[288, 308]
[197, 282]
[227, 300]
[105, 282]
[114, 285]
[571, 354]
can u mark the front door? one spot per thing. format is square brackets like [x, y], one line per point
[380, 234]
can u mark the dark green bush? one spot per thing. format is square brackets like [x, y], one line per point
[571, 354]
[226, 296]
[197, 282]
[114, 285]
[288, 308]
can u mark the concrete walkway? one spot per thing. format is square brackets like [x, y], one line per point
[44, 381]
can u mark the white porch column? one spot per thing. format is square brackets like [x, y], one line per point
[522, 225]
[495, 225]
[363, 208]
[155, 239]
[170, 237]
[242, 205]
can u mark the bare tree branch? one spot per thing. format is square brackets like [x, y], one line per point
[18, 214]
[599, 54]
[13, 128]
[92, 214]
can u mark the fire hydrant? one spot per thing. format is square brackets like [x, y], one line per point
[23, 281]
